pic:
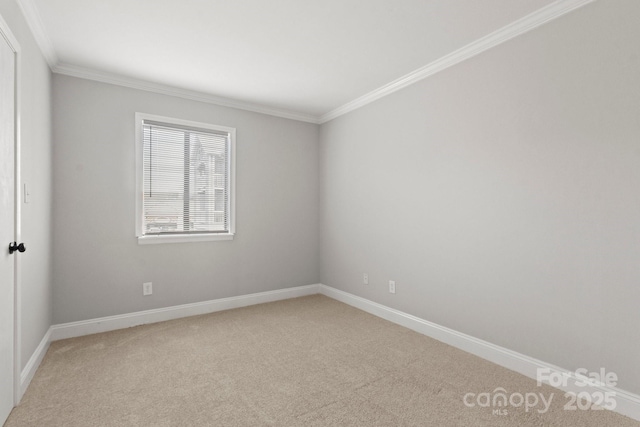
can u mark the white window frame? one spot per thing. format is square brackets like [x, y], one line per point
[182, 238]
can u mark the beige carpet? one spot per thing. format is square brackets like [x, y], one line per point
[308, 361]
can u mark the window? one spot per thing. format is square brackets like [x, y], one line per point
[185, 180]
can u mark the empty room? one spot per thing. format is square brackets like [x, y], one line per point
[320, 213]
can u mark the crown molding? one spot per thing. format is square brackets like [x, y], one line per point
[101, 76]
[32, 16]
[516, 28]
[523, 25]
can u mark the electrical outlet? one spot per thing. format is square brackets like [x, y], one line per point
[147, 288]
[365, 278]
[392, 287]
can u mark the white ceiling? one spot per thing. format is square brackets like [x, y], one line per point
[303, 56]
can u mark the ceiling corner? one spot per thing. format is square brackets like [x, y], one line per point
[119, 80]
[32, 16]
[508, 32]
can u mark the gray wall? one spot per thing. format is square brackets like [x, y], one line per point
[502, 194]
[99, 267]
[35, 127]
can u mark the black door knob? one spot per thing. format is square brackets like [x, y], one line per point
[16, 247]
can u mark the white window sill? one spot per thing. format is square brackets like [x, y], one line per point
[185, 238]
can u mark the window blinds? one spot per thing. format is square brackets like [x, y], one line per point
[185, 179]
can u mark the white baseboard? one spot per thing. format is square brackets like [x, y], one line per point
[626, 403]
[104, 324]
[34, 362]
[111, 323]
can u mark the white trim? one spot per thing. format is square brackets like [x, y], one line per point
[32, 16]
[7, 34]
[527, 23]
[104, 324]
[520, 26]
[627, 403]
[183, 238]
[105, 77]
[5, 31]
[139, 194]
[34, 362]
[231, 202]
[18, 220]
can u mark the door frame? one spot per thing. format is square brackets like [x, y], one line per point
[7, 34]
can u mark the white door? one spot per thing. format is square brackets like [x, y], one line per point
[7, 224]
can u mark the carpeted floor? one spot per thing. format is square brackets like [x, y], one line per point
[308, 361]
